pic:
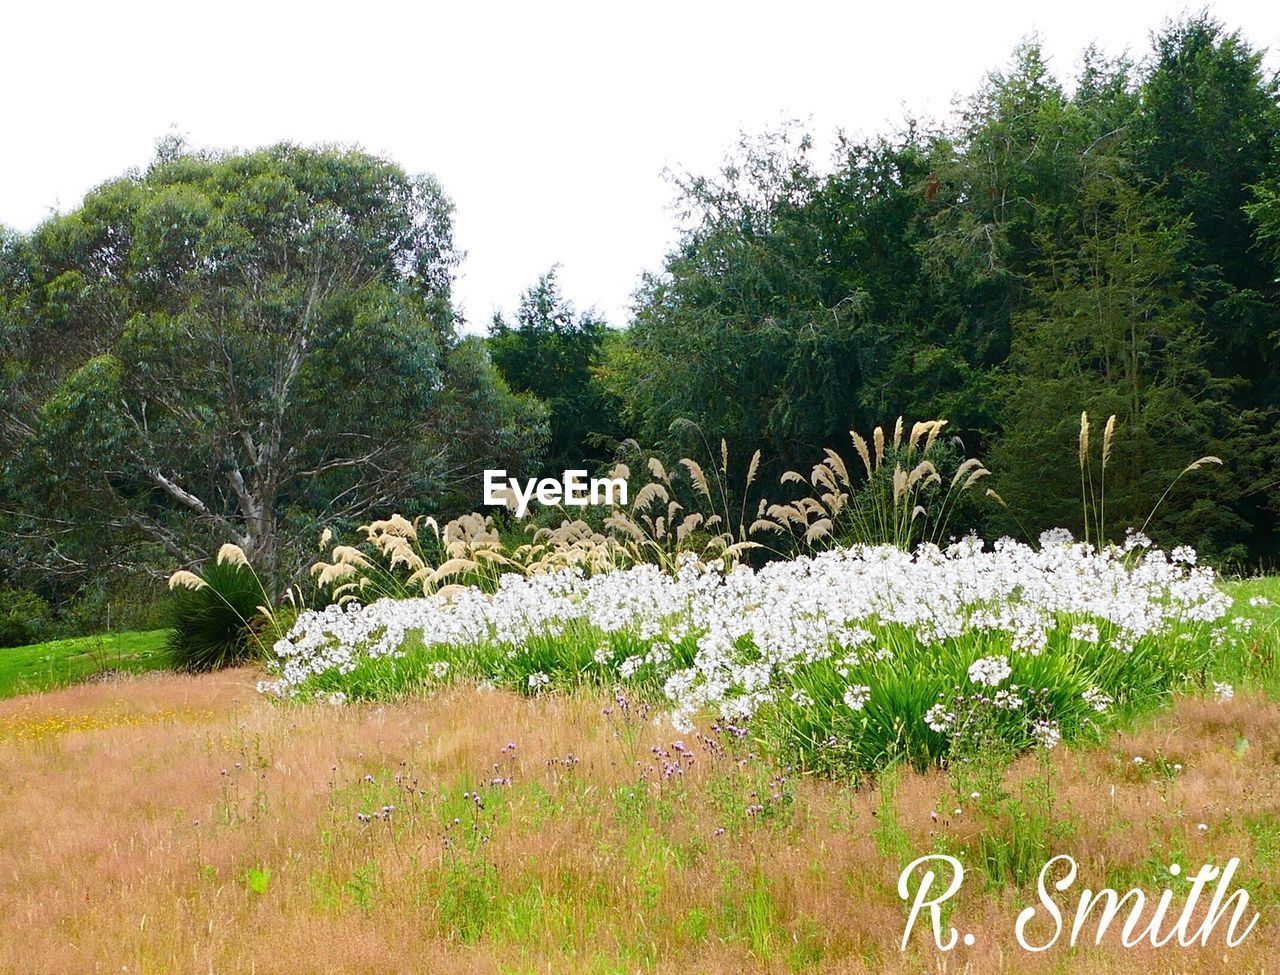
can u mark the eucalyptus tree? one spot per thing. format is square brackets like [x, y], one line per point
[225, 345]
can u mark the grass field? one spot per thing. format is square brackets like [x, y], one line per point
[43, 666]
[181, 824]
[169, 823]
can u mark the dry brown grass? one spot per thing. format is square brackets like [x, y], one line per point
[593, 865]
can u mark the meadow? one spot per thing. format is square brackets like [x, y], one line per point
[635, 748]
[178, 823]
[437, 819]
[700, 725]
[56, 663]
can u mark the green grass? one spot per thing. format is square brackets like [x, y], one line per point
[1256, 662]
[43, 666]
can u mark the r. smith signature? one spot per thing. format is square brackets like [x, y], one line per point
[1142, 918]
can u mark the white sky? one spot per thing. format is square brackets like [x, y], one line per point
[549, 124]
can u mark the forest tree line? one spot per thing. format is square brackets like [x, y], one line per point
[249, 346]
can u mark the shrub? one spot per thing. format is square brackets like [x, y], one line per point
[24, 617]
[222, 616]
[128, 601]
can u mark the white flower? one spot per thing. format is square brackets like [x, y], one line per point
[439, 669]
[1139, 760]
[1055, 538]
[1097, 700]
[1223, 692]
[1046, 734]
[1085, 632]
[857, 696]
[747, 635]
[1135, 540]
[939, 719]
[681, 722]
[336, 698]
[1259, 602]
[1008, 699]
[990, 670]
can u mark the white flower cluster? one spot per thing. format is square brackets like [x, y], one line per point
[857, 696]
[939, 719]
[1085, 632]
[1046, 734]
[990, 671]
[1097, 699]
[748, 630]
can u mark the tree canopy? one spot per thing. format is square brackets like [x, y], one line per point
[238, 347]
[1108, 244]
[552, 351]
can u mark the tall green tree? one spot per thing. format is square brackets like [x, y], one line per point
[231, 348]
[553, 352]
[764, 324]
[1003, 184]
[1111, 328]
[1207, 134]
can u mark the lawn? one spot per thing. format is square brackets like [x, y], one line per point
[57, 663]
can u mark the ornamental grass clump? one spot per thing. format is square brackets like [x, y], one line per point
[399, 558]
[670, 521]
[912, 489]
[222, 616]
[1093, 480]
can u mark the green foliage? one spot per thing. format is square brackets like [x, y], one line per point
[238, 345]
[553, 352]
[257, 879]
[1110, 329]
[818, 729]
[1105, 246]
[119, 601]
[221, 618]
[261, 344]
[24, 617]
[738, 334]
[479, 422]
